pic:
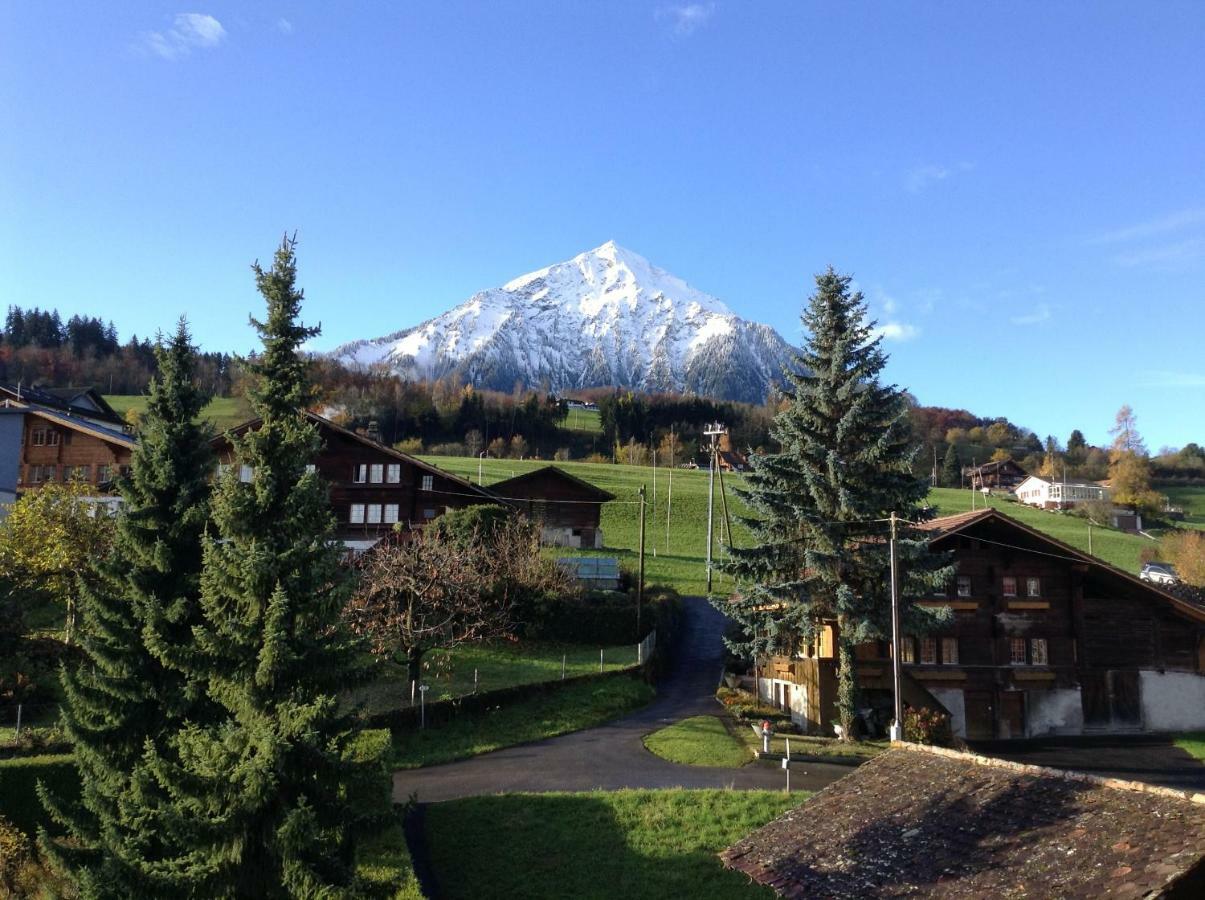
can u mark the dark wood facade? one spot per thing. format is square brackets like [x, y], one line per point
[1003, 474]
[568, 509]
[1044, 639]
[374, 487]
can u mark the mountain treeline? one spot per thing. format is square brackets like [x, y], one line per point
[38, 348]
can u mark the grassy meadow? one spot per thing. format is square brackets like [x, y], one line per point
[224, 412]
[698, 741]
[675, 556]
[622, 844]
[1191, 498]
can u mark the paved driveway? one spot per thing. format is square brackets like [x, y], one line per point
[1140, 758]
[612, 756]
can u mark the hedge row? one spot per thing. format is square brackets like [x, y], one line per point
[19, 778]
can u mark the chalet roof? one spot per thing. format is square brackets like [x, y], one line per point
[64, 399]
[323, 422]
[994, 466]
[923, 821]
[946, 526]
[85, 426]
[500, 488]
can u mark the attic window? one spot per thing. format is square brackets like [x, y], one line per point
[393, 473]
[428, 485]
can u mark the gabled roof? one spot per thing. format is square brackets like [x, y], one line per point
[500, 488]
[993, 466]
[928, 822]
[85, 426]
[947, 526]
[323, 422]
[74, 400]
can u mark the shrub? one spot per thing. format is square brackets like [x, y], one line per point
[927, 726]
[19, 777]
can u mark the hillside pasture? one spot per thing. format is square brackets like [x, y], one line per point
[223, 412]
[1191, 498]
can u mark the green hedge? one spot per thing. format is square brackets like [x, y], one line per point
[600, 618]
[19, 778]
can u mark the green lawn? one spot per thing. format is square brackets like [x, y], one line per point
[1193, 742]
[224, 412]
[677, 557]
[628, 845]
[383, 864]
[698, 741]
[1191, 498]
[573, 707]
[807, 745]
[503, 665]
[583, 420]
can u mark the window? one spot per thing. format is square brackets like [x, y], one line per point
[964, 585]
[102, 473]
[928, 651]
[48, 473]
[376, 473]
[245, 474]
[428, 513]
[356, 514]
[1016, 651]
[359, 474]
[39, 437]
[1037, 652]
[1033, 587]
[428, 485]
[374, 514]
[390, 513]
[393, 473]
[1010, 586]
[311, 469]
[907, 650]
[52, 439]
[35, 474]
[949, 651]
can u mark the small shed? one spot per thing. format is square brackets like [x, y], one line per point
[568, 508]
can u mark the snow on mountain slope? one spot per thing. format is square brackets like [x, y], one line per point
[607, 317]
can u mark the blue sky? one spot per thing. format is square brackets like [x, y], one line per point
[1019, 189]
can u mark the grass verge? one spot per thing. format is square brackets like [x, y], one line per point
[698, 741]
[576, 706]
[806, 745]
[623, 844]
[1193, 742]
[383, 865]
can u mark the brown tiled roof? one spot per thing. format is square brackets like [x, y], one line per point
[912, 822]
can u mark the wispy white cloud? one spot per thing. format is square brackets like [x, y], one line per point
[189, 31]
[284, 26]
[1152, 227]
[924, 177]
[896, 331]
[1164, 378]
[1167, 255]
[686, 18]
[1041, 313]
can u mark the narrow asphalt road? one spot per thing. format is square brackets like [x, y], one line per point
[613, 756]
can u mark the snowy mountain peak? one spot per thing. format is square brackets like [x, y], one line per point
[606, 317]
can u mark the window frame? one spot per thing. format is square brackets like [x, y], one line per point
[1034, 644]
[376, 473]
[393, 473]
[53, 439]
[1015, 644]
[427, 483]
[1004, 589]
[38, 437]
[946, 643]
[961, 581]
[355, 514]
[373, 514]
[1033, 586]
[389, 513]
[928, 651]
[907, 651]
[359, 473]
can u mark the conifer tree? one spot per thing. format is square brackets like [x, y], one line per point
[138, 606]
[951, 471]
[819, 553]
[263, 801]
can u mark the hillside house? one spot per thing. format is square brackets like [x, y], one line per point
[1048, 493]
[57, 447]
[82, 403]
[568, 509]
[373, 487]
[1002, 474]
[1045, 639]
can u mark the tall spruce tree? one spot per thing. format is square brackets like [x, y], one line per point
[137, 609]
[263, 802]
[819, 555]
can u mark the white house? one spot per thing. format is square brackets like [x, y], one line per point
[1049, 494]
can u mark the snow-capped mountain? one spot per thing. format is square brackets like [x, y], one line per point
[607, 317]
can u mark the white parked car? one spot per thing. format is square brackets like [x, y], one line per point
[1159, 573]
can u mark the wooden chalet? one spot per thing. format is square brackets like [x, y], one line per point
[1045, 639]
[567, 508]
[58, 447]
[84, 403]
[373, 488]
[1002, 474]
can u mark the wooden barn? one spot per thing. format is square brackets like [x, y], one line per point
[1045, 639]
[1002, 474]
[567, 508]
[373, 487]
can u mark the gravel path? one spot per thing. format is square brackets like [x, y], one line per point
[612, 756]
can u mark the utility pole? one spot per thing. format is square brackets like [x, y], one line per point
[640, 576]
[713, 431]
[897, 727]
[669, 491]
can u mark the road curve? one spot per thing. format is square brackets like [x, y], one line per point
[613, 756]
